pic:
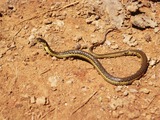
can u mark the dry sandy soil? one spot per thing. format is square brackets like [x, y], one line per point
[35, 86]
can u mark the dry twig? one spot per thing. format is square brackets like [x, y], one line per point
[45, 71]
[42, 117]
[69, 5]
[85, 102]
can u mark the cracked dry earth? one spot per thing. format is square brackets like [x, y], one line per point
[36, 86]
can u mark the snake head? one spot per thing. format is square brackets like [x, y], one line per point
[42, 41]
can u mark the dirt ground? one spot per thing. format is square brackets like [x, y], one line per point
[36, 86]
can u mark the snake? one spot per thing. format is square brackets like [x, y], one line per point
[93, 59]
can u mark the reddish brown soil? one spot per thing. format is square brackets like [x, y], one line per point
[34, 86]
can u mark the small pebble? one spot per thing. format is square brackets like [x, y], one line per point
[143, 21]
[65, 104]
[31, 40]
[93, 35]
[93, 41]
[33, 100]
[53, 80]
[84, 46]
[128, 39]
[108, 43]
[77, 27]
[41, 101]
[47, 21]
[147, 37]
[153, 62]
[144, 90]
[69, 81]
[133, 91]
[78, 46]
[54, 58]
[156, 29]
[125, 93]
[114, 47]
[90, 19]
[59, 23]
[118, 88]
[77, 38]
[133, 7]
[11, 7]
[150, 83]
[116, 103]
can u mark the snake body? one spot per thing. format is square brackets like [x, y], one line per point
[92, 58]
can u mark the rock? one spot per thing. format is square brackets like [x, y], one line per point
[54, 58]
[118, 88]
[77, 46]
[107, 42]
[91, 19]
[59, 23]
[125, 93]
[53, 80]
[153, 62]
[93, 41]
[128, 39]
[84, 46]
[142, 21]
[42, 101]
[132, 7]
[11, 7]
[77, 26]
[47, 21]
[77, 38]
[144, 90]
[156, 29]
[31, 40]
[69, 81]
[116, 12]
[114, 47]
[33, 100]
[133, 90]
[116, 103]
[147, 37]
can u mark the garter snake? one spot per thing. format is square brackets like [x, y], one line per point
[92, 58]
